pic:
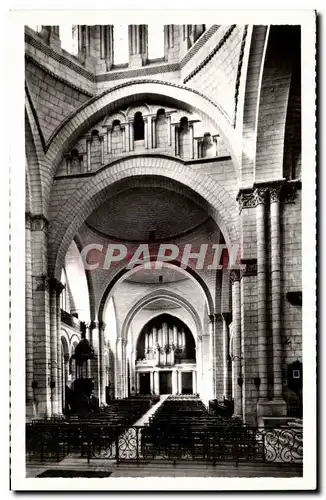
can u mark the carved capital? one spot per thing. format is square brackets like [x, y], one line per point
[56, 285]
[235, 275]
[41, 283]
[227, 317]
[246, 199]
[250, 268]
[275, 193]
[38, 222]
[199, 339]
[260, 195]
[289, 191]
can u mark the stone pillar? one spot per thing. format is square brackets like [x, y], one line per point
[179, 382]
[88, 154]
[177, 140]
[106, 45]
[137, 45]
[29, 342]
[149, 132]
[118, 369]
[236, 315]
[154, 140]
[146, 132]
[226, 357]
[151, 375]
[101, 137]
[156, 383]
[194, 382]
[174, 382]
[191, 140]
[199, 364]
[260, 195]
[168, 119]
[53, 381]
[137, 382]
[127, 137]
[212, 355]
[276, 299]
[59, 288]
[131, 136]
[102, 373]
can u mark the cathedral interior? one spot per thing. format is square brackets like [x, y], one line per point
[188, 143]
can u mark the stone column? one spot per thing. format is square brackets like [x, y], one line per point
[118, 369]
[194, 382]
[191, 140]
[137, 45]
[29, 343]
[59, 288]
[199, 364]
[177, 140]
[106, 45]
[168, 119]
[151, 375]
[137, 382]
[53, 382]
[146, 132]
[179, 382]
[275, 192]
[156, 383]
[154, 140]
[174, 382]
[88, 154]
[211, 355]
[226, 357]
[127, 137]
[260, 196]
[102, 373]
[149, 132]
[131, 136]
[236, 315]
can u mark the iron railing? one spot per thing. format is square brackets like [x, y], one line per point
[56, 440]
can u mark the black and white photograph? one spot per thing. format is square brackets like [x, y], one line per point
[166, 219]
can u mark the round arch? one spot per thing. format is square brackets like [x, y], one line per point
[160, 294]
[123, 273]
[65, 342]
[127, 93]
[84, 200]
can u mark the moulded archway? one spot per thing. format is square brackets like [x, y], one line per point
[88, 197]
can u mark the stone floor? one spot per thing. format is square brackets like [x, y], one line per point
[161, 468]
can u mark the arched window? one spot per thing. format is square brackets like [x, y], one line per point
[155, 40]
[184, 124]
[138, 126]
[69, 38]
[120, 44]
[116, 123]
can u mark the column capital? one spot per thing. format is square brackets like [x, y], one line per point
[246, 199]
[275, 193]
[37, 222]
[56, 285]
[249, 269]
[93, 324]
[227, 317]
[260, 195]
[199, 339]
[235, 275]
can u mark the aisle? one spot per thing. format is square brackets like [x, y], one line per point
[145, 418]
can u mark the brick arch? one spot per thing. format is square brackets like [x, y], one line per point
[82, 202]
[151, 297]
[130, 92]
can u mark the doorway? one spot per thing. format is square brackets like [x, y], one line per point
[187, 383]
[144, 383]
[166, 382]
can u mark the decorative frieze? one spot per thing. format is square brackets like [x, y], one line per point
[282, 191]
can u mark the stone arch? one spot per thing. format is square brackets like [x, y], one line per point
[190, 273]
[144, 109]
[160, 294]
[33, 161]
[65, 342]
[121, 116]
[121, 95]
[84, 200]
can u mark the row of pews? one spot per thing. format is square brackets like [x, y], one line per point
[57, 437]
